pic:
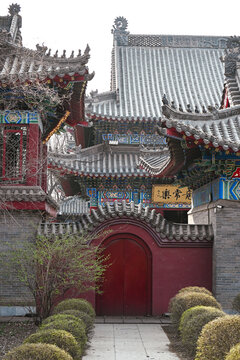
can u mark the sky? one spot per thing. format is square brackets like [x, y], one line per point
[72, 24]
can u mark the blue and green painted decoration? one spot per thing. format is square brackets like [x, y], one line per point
[19, 117]
[101, 197]
[222, 188]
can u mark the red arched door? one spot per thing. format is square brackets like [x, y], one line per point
[127, 284]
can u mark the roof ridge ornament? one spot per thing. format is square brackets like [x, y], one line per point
[120, 23]
[119, 30]
[14, 9]
[232, 56]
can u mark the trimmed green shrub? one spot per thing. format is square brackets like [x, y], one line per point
[75, 327]
[234, 353]
[87, 319]
[190, 313]
[75, 304]
[217, 338]
[182, 302]
[63, 317]
[37, 352]
[192, 322]
[198, 289]
[236, 303]
[61, 338]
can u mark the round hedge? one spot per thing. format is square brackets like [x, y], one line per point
[61, 316]
[234, 353]
[196, 320]
[75, 304]
[87, 319]
[73, 326]
[61, 338]
[198, 289]
[184, 301]
[236, 303]
[37, 352]
[190, 313]
[217, 338]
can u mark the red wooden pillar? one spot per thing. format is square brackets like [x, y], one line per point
[44, 167]
[33, 155]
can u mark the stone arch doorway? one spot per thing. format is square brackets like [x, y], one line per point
[127, 285]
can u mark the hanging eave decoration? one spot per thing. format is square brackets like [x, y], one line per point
[57, 127]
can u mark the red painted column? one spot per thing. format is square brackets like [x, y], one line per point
[79, 135]
[33, 155]
[44, 167]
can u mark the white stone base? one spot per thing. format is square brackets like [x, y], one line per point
[16, 310]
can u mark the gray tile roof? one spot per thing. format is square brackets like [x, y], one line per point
[19, 63]
[233, 90]
[101, 160]
[25, 193]
[74, 205]
[220, 128]
[168, 233]
[187, 69]
[24, 64]
[231, 60]
[154, 164]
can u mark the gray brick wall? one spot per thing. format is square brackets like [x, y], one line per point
[224, 217]
[15, 227]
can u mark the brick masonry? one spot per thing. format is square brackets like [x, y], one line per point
[224, 217]
[15, 228]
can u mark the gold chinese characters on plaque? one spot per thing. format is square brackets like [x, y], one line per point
[171, 194]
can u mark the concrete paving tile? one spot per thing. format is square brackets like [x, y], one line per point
[151, 320]
[129, 342]
[99, 319]
[125, 326]
[113, 320]
[99, 355]
[128, 346]
[130, 356]
[131, 320]
[164, 356]
[165, 321]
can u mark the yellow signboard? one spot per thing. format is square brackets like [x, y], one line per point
[171, 194]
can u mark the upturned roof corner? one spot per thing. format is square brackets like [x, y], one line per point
[10, 26]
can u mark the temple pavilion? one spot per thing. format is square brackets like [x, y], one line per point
[119, 135]
[40, 93]
[134, 165]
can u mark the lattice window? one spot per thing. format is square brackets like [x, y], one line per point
[13, 153]
[145, 40]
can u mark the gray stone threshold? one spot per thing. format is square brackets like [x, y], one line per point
[132, 320]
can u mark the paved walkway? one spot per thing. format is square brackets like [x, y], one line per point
[129, 342]
[132, 320]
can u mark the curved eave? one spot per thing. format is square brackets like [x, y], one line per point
[219, 129]
[95, 117]
[151, 169]
[26, 65]
[71, 171]
[167, 233]
[171, 165]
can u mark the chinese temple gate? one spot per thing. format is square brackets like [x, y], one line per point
[117, 169]
[133, 166]
[140, 241]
